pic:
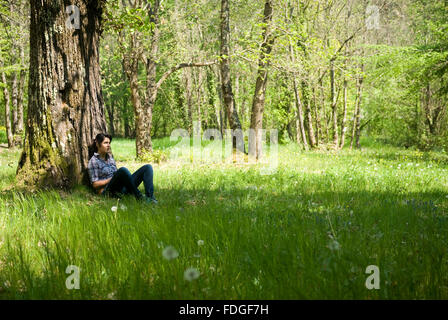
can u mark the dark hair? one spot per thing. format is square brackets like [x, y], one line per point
[98, 139]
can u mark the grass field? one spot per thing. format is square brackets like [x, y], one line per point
[307, 231]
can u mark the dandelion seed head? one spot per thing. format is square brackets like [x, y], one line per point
[169, 253]
[42, 244]
[200, 242]
[112, 296]
[114, 209]
[334, 245]
[191, 274]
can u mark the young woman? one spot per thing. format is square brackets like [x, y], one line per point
[107, 180]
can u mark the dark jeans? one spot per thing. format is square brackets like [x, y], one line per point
[124, 183]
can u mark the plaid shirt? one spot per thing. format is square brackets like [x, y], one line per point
[100, 169]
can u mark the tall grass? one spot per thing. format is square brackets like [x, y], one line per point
[308, 231]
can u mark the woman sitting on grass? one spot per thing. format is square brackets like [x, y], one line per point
[107, 180]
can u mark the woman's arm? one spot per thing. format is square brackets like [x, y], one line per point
[100, 184]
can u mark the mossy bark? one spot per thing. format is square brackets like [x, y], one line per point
[66, 108]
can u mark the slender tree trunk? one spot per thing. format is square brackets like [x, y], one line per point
[300, 120]
[358, 115]
[9, 135]
[256, 123]
[356, 132]
[14, 100]
[197, 80]
[151, 89]
[344, 117]
[334, 106]
[355, 119]
[317, 118]
[66, 108]
[226, 81]
[21, 92]
[308, 115]
[324, 111]
[189, 100]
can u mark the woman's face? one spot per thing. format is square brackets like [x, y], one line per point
[104, 147]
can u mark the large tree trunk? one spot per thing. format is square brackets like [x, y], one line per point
[130, 64]
[256, 122]
[9, 135]
[151, 95]
[66, 108]
[151, 83]
[226, 81]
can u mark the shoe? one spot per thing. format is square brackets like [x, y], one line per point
[151, 200]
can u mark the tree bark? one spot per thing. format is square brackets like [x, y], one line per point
[6, 95]
[21, 92]
[299, 113]
[344, 117]
[256, 123]
[334, 106]
[226, 81]
[358, 115]
[308, 115]
[66, 108]
[356, 131]
[130, 64]
[188, 98]
[317, 117]
[14, 100]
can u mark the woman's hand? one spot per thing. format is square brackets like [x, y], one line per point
[100, 185]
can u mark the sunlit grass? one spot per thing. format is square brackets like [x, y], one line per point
[308, 231]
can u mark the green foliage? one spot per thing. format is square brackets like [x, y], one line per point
[3, 138]
[156, 156]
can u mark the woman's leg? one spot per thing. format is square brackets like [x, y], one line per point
[146, 175]
[122, 179]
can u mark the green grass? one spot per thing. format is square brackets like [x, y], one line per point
[3, 138]
[265, 236]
